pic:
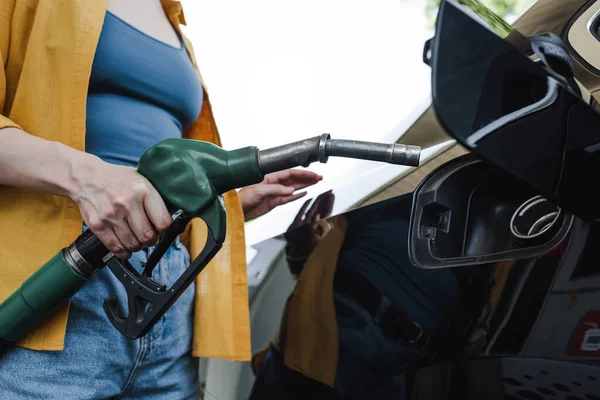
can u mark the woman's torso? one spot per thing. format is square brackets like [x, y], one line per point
[142, 90]
[48, 49]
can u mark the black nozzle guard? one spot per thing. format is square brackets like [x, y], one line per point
[147, 298]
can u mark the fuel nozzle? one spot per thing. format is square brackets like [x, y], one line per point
[320, 148]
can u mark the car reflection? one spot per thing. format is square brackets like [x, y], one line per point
[361, 315]
[362, 322]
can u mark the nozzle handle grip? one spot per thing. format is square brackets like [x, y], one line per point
[142, 291]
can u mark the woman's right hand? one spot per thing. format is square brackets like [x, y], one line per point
[119, 205]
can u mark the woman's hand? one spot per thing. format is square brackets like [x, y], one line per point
[120, 206]
[275, 190]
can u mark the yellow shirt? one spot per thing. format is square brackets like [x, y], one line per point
[308, 338]
[46, 53]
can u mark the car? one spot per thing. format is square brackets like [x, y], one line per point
[522, 102]
[508, 203]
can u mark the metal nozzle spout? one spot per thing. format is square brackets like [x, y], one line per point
[390, 153]
[320, 148]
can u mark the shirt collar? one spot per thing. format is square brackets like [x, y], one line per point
[174, 11]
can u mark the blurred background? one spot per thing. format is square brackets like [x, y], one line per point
[280, 71]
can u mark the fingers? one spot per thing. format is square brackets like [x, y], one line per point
[148, 217]
[264, 191]
[127, 237]
[141, 226]
[297, 178]
[111, 223]
[128, 221]
[108, 237]
[156, 210]
[275, 190]
[105, 232]
[122, 208]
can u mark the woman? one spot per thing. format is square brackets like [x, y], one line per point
[86, 87]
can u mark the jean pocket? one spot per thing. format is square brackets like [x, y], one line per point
[349, 313]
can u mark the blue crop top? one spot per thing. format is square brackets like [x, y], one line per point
[141, 92]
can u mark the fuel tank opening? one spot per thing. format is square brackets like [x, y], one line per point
[536, 220]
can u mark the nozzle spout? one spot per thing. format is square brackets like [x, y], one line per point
[320, 148]
[398, 154]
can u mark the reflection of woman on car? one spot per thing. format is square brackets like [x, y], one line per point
[361, 314]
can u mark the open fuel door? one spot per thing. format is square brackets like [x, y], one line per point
[513, 103]
[468, 212]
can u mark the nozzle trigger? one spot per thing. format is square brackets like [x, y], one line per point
[148, 299]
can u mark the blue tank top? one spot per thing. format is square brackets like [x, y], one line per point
[141, 92]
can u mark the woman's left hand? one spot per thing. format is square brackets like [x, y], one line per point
[275, 190]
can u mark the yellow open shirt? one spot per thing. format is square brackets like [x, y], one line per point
[46, 52]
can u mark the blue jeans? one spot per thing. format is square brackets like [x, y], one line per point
[371, 365]
[100, 363]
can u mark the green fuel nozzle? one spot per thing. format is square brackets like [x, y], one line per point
[190, 176]
[189, 173]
